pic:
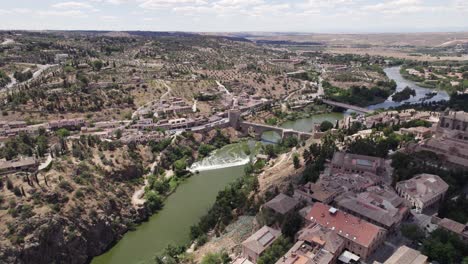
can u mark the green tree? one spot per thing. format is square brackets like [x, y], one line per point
[296, 161]
[63, 132]
[180, 167]
[292, 225]
[275, 251]
[205, 149]
[216, 258]
[97, 65]
[153, 201]
[413, 232]
[326, 125]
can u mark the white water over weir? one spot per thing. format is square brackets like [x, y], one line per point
[228, 156]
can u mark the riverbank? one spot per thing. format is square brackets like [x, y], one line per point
[393, 73]
[182, 208]
[276, 176]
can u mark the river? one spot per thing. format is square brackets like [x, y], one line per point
[302, 124]
[394, 74]
[194, 197]
[191, 200]
[182, 209]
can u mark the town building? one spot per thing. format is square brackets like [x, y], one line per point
[302, 252]
[361, 237]
[282, 204]
[454, 151]
[378, 205]
[171, 107]
[418, 132]
[451, 120]
[353, 163]
[22, 164]
[255, 245]
[422, 191]
[406, 255]
[66, 123]
[329, 186]
[454, 227]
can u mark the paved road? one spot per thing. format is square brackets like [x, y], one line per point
[36, 74]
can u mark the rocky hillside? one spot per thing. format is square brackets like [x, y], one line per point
[75, 210]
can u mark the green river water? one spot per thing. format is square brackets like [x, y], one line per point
[191, 200]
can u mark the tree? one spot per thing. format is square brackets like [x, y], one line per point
[292, 225]
[180, 167]
[205, 149]
[413, 232]
[275, 251]
[445, 247]
[270, 150]
[296, 161]
[216, 258]
[326, 125]
[63, 132]
[153, 201]
[97, 65]
[118, 133]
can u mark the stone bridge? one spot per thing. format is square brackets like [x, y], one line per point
[348, 106]
[257, 130]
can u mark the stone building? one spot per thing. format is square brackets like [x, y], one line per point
[256, 244]
[451, 120]
[378, 205]
[353, 163]
[361, 237]
[422, 191]
[406, 255]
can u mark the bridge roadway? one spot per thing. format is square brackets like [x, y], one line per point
[348, 106]
[259, 129]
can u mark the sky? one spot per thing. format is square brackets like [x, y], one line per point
[321, 16]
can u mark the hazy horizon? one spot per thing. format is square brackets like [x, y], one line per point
[200, 16]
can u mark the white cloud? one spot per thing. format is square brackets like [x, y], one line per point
[109, 18]
[62, 13]
[162, 4]
[72, 5]
[397, 7]
[267, 10]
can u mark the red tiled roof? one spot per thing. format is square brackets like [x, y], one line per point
[345, 225]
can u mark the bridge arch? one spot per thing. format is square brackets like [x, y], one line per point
[271, 136]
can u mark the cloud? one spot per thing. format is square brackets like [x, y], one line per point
[72, 5]
[62, 13]
[109, 18]
[162, 4]
[16, 11]
[267, 10]
[397, 7]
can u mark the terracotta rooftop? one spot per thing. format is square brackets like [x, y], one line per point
[345, 225]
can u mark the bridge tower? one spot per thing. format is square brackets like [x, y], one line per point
[234, 116]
